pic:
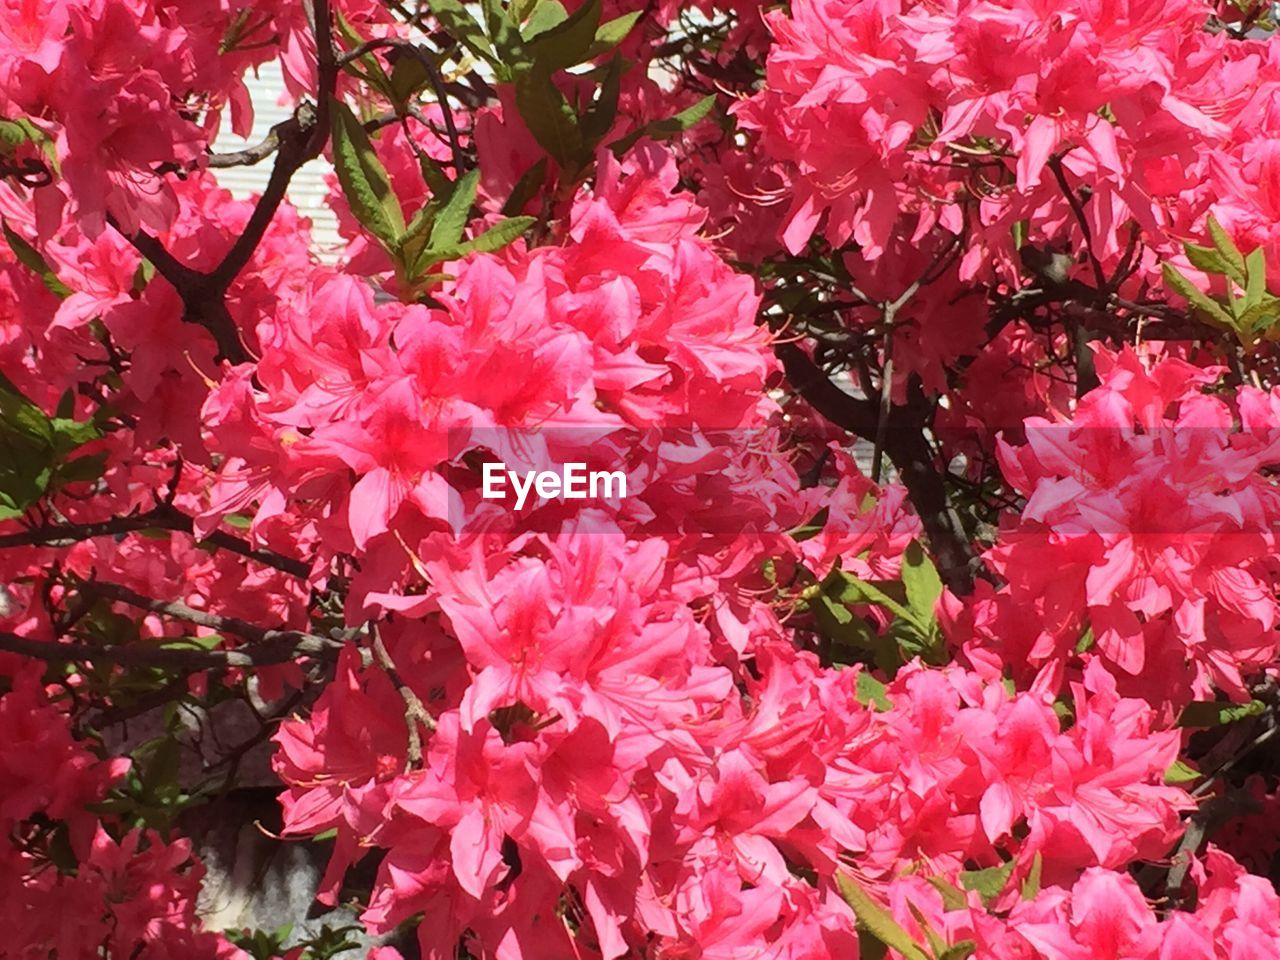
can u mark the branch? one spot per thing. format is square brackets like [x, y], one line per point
[905, 444]
[855, 415]
[294, 137]
[327, 74]
[415, 714]
[299, 139]
[255, 154]
[163, 518]
[434, 77]
[1060, 175]
[180, 611]
[202, 305]
[249, 155]
[282, 649]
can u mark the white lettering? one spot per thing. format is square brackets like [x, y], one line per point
[575, 476]
[573, 482]
[522, 489]
[494, 476]
[608, 479]
[547, 484]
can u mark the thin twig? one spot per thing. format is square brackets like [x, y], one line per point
[415, 713]
[161, 517]
[433, 77]
[1060, 175]
[283, 649]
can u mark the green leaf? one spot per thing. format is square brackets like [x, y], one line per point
[82, 469]
[498, 236]
[460, 25]
[1230, 252]
[61, 853]
[921, 579]
[547, 14]
[686, 118]
[1020, 229]
[371, 71]
[937, 946]
[812, 528]
[433, 174]
[549, 117]
[616, 30]
[601, 115]
[412, 252]
[69, 434]
[1261, 317]
[1180, 773]
[20, 415]
[519, 10]
[1256, 272]
[1175, 280]
[669, 127]
[1031, 884]
[877, 921]
[33, 260]
[452, 218]
[408, 76]
[161, 768]
[1216, 713]
[364, 179]
[987, 883]
[837, 621]
[1207, 260]
[526, 188]
[569, 42]
[17, 131]
[871, 692]
[953, 897]
[852, 590]
[143, 275]
[960, 950]
[1086, 641]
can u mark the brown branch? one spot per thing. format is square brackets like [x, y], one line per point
[180, 611]
[906, 445]
[202, 305]
[255, 154]
[162, 518]
[415, 714]
[249, 155]
[282, 649]
[300, 138]
[1077, 209]
[294, 137]
[433, 77]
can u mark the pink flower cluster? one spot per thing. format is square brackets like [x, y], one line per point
[1105, 916]
[884, 116]
[125, 87]
[632, 325]
[613, 769]
[128, 895]
[1148, 535]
